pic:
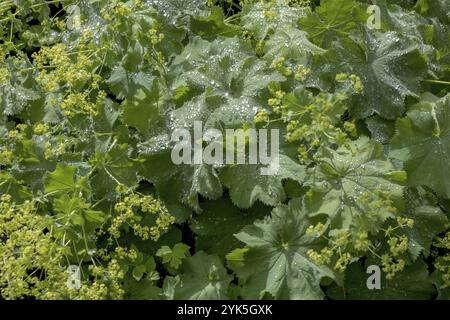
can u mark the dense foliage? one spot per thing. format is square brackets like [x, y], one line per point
[90, 91]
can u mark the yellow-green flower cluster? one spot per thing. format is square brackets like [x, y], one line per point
[126, 254]
[95, 291]
[361, 241]
[377, 203]
[121, 9]
[13, 134]
[270, 14]
[338, 244]
[350, 128]
[262, 116]
[6, 157]
[276, 102]
[40, 128]
[442, 262]
[299, 3]
[302, 154]
[279, 65]
[138, 3]
[31, 262]
[130, 211]
[242, 2]
[341, 239]
[357, 84]
[315, 230]
[80, 103]
[443, 242]
[341, 77]
[53, 56]
[344, 246]
[342, 262]
[314, 122]
[4, 76]
[155, 37]
[211, 3]
[54, 150]
[106, 283]
[321, 258]
[121, 188]
[405, 222]
[352, 79]
[58, 70]
[392, 262]
[392, 266]
[301, 73]
[398, 245]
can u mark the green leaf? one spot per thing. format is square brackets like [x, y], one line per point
[429, 221]
[106, 119]
[17, 94]
[125, 83]
[204, 278]
[434, 8]
[247, 184]
[142, 111]
[150, 265]
[389, 65]
[381, 129]
[77, 211]
[62, 179]
[422, 141]
[333, 18]
[173, 10]
[261, 18]
[348, 180]
[114, 168]
[218, 222]
[173, 257]
[9, 185]
[138, 272]
[400, 19]
[275, 259]
[180, 183]
[213, 26]
[32, 166]
[229, 79]
[141, 290]
[290, 44]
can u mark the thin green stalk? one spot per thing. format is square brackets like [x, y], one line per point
[437, 81]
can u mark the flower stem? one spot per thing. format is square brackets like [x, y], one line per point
[437, 81]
